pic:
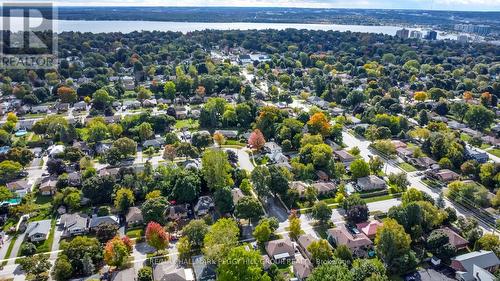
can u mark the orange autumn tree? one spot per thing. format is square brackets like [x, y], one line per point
[467, 95]
[117, 251]
[219, 138]
[256, 139]
[420, 96]
[485, 98]
[67, 94]
[318, 124]
[156, 236]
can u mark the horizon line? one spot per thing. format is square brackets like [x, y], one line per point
[269, 6]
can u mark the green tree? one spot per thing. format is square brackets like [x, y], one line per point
[479, 117]
[169, 90]
[335, 270]
[154, 209]
[343, 253]
[215, 168]
[262, 232]
[261, 179]
[359, 168]
[220, 239]
[321, 212]
[62, 269]
[393, 247]
[9, 170]
[242, 264]
[195, 232]
[145, 274]
[249, 208]
[321, 251]
[124, 198]
[36, 267]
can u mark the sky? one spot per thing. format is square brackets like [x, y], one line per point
[463, 5]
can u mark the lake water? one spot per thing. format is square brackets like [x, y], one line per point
[184, 27]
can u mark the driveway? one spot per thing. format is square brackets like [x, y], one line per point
[15, 249]
[243, 159]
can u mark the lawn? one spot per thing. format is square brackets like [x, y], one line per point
[188, 123]
[494, 151]
[407, 167]
[135, 233]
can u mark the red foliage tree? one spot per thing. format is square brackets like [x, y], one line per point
[156, 236]
[256, 139]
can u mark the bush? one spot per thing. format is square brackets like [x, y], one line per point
[28, 249]
[103, 211]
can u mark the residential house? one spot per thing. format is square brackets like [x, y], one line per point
[74, 179]
[302, 268]
[101, 148]
[455, 239]
[97, 221]
[300, 186]
[424, 163]
[168, 271]
[134, 216]
[404, 153]
[38, 230]
[204, 205]
[491, 140]
[39, 109]
[371, 182]
[272, 148]
[80, 106]
[322, 176]
[280, 250]
[324, 188]
[73, 224]
[304, 241]
[398, 144]
[156, 143]
[278, 158]
[180, 113]
[131, 104]
[355, 240]
[237, 195]
[149, 103]
[83, 146]
[128, 274]
[19, 187]
[369, 228]
[443, 175]
[343, 156]
[48, 186]
[203, 270]
[228, 134]
[472, 154]
[62, 107]
[471, 132]
[475, 266]
[177, 212]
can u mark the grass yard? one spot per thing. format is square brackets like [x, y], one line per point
[407, 167]
[494, 151]
[189, 123]
[135, 233]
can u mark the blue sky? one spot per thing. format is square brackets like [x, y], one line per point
[464, 5]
